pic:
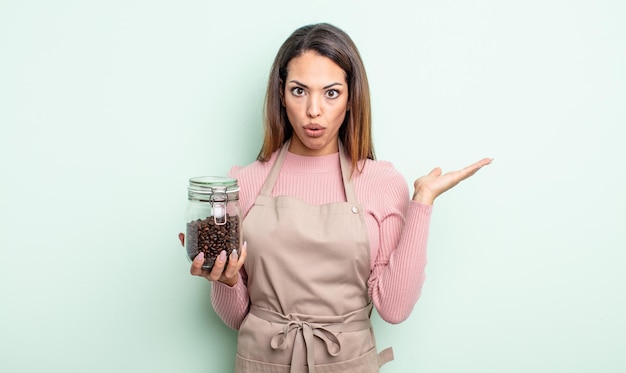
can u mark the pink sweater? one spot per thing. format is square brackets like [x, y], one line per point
[397, 227]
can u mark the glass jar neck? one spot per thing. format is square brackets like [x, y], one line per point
[213, 189]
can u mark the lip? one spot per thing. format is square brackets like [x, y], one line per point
[314, 130]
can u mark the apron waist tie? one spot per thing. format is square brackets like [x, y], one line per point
[327, 332]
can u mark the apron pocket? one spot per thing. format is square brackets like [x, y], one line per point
[366, 363]
[243, 365]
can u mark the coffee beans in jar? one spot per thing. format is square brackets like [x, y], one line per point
[204, 235]
[214, 218]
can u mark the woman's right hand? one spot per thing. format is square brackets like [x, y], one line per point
[228, 275]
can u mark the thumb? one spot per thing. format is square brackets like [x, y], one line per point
[435, 172]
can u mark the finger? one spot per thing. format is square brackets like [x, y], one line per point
[243, 256]
[196, 265]
[477, 165]
[483, 162]
[181, 237]
[473, 168]
[218, 267]
[233, 262]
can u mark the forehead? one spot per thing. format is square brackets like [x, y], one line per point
[313, 66]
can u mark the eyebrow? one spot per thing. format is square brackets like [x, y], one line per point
[305, 86]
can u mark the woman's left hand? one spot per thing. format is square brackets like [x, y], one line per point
[431, 186]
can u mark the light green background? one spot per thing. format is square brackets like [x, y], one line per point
[107, 107]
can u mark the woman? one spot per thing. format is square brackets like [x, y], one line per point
[331, 230]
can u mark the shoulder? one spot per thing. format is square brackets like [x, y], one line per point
[379, 173]
[381, 186]
[253, 169]
[248, 171]
[251, 178]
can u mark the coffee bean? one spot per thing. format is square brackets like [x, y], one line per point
[210, 238]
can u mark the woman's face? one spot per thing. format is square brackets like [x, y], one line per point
[315, 97]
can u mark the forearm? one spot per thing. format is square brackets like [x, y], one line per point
[231, 303]
[395, 284]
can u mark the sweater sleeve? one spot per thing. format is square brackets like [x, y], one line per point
[398, 273]
[233, 303]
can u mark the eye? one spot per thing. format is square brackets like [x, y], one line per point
[297, 91]
[333, 93]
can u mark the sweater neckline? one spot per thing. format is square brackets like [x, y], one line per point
[306, 164]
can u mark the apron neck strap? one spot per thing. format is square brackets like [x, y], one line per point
[266, 190]
[345, 174]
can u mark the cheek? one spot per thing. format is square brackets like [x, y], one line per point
[341, 111]
[292, 106]
[293, 112]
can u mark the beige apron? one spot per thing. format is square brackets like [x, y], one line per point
[307, 268]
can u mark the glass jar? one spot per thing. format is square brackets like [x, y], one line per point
[213, 218]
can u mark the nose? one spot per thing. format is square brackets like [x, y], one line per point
[314, 107]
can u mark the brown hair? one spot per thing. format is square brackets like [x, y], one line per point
[329, 41]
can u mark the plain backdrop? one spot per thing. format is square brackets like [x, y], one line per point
[108, 107]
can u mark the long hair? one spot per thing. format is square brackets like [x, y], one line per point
[329, 41]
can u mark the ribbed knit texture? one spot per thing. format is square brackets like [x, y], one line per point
[397, 228]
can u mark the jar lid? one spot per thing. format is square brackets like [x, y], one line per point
[211, 184]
